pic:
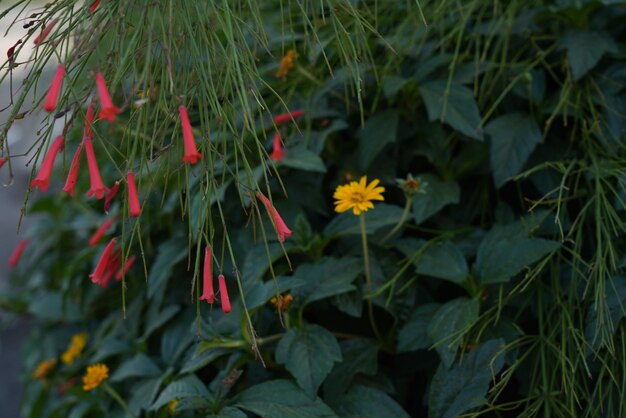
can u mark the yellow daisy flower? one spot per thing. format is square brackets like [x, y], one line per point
[44, 368]
[357, 196]
[75, 348]
[286, 64]
[96, 374]
[282, 302]
[172, 406]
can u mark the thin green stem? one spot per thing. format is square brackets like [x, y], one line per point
[405, 214]
[368, 278]
[117, 398]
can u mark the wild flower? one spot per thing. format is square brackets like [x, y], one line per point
[286, 63]
[357, 196]
[97, 236]
[17, 253]
[281, 228]
[52, 97]
[191, 155]
[108, 110]
[72, 175]
[277, 153]
[75, 348]
[226, 308]
[43, 178]
[207, 277]
[96, 374]
[44, 368]
[134, 209]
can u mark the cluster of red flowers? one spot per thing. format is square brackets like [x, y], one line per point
[110, 262]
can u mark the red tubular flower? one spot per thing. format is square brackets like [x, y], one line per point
[95, 238]
[207, 294]
[134, 210]
[279, 224]
[109, 111]
[112, 266]
[97, 186]
[277, 153]
[43, 178]
[3, 160]
[286, 117]
[45, 32]
[72, 176]
[101, 267]
[110, 195]
[55, 89]
[191, 152]
[17, 254]
[127, 265]
[11, 50]
[93, 6]
[224, 294]
[89, 120]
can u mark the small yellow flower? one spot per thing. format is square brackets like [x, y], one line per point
[75, 348]
[282, 302]
[44, 368]
[286, 63]
[357, 196]
[172, 406]
[96, 374]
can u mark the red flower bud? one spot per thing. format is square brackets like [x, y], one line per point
[45, 32]
[224, 294]
[110, 195]
[43, 178]
[134, 210]
[101, 267]
[55, 89]
[191, 152]
[93, 6]
[207, 278]
[279, 224]
[277, 153]
[286, 117]
[17, 254]
[95, 238]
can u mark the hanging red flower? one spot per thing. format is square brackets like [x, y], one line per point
[279, 224]
[191, 152]
[134, 209]
[45, 32]
[207, 278]
[55, 89]
[43, 178]
[110, 195]
[286, 117]
[277, 153]
[127, 265]
[17, 253]
[97, 236]
[108, 111]
[224, 294]
[3, 160]
[93, 6]
[72, 175]
[97, 186]
[101, 267]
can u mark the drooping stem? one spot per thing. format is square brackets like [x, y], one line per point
[118, 399]
[368, 278]
[405, 214]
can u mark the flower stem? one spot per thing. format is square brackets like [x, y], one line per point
[117, 398]
[405, 213]
[368, 278]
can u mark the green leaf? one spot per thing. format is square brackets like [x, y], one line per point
[379, 130]
[302, 159]
[308, 353]
[201, 358]
[170, 252]
[392, 84]
[346, 223]
[156, 319]
[464, 386]
[437, 195]
[359, 356]
[110, 347]
[366, 402]
[506, 250]
[443, 260]
[138, 366]
[281, 398]
[327, 277]
[513, 138]
[604, 317]
[454, 105]
[187, 387]
[447, 325]
[585, 48]
[414, 334]
[144, 393]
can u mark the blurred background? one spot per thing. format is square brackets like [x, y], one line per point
[13, 331]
